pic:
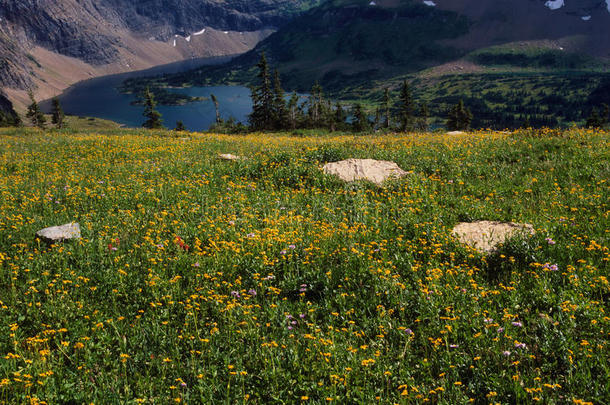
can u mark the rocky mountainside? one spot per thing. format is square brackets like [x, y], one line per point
[349, 42]
[39, 39]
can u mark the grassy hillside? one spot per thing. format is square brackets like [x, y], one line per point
[505, 99]
[266, 281]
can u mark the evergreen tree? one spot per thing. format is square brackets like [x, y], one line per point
[34, 113]
[262, 98]
[280, 113]
[594, 120]
[180, 126]
[377, 122]
[459, 118]
[605, 115]
[340, 116]
[293, 111]
[361, 121]
[526, 122]
[405, 107]
[424, 115]
[153, 116]
[216, 107]
[57, 114]
[316, 110]
[386, 107]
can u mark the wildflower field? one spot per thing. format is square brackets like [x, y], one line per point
[199, 280]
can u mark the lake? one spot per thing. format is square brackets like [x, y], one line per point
[100, 98]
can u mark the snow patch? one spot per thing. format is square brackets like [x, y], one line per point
[372, 3]
[174, 43]
[188, 39]
[555, 4]
[225, 32]
[432, 4]
[608, 4]
[199, 32]
[586, 17]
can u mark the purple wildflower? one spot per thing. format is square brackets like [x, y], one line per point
[517, 324]
[506, 353]
[292, 247]
[302, 316]
[408, 331]
[500, 330]
[283, 252]
[235, 294]
[520, 345]
[252, 292]
[550, 241]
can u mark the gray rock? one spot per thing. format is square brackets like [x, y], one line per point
[60, 233]
[486, 236]
[376, 171]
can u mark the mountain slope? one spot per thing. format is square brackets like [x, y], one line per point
[347, 43]
[111, 36]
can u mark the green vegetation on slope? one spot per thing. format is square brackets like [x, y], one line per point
[266, 281]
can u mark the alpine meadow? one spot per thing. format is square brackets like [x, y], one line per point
[398, 202]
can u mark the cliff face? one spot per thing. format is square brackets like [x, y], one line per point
[110, 36]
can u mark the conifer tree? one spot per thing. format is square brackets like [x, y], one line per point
[293, 111]
[605, 115]
[315, 109]
[377, 122]
[405, 107]
[153, 116]
[280, 114]
[34, 113]
[180, 126]
[340, 116]
[386, 107]
[424, 114]
[459, 117]
[57, 114]
[361, 121]
[262, 98]
[216, 108]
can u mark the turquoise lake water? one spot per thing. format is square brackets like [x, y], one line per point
[100, 98]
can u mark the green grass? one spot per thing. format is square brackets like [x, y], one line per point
[294, 286]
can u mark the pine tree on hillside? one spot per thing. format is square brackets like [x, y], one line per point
[377, 122]
[605, 116]
[317, 111]
[340, 117]
[459, 117]
[293, 111]
[216, 108]
[153, 116]
[361, 121]
[594, 120]
[424, 115]
[262, 98]
[180, 126]
[386, 108]
[280, 113]
[405, 107]
[34, 114]
[57, 114]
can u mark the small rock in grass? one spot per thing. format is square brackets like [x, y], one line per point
[228, 156]
[60, 233]
[376, 171]
[456, 133]
[485, 236]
